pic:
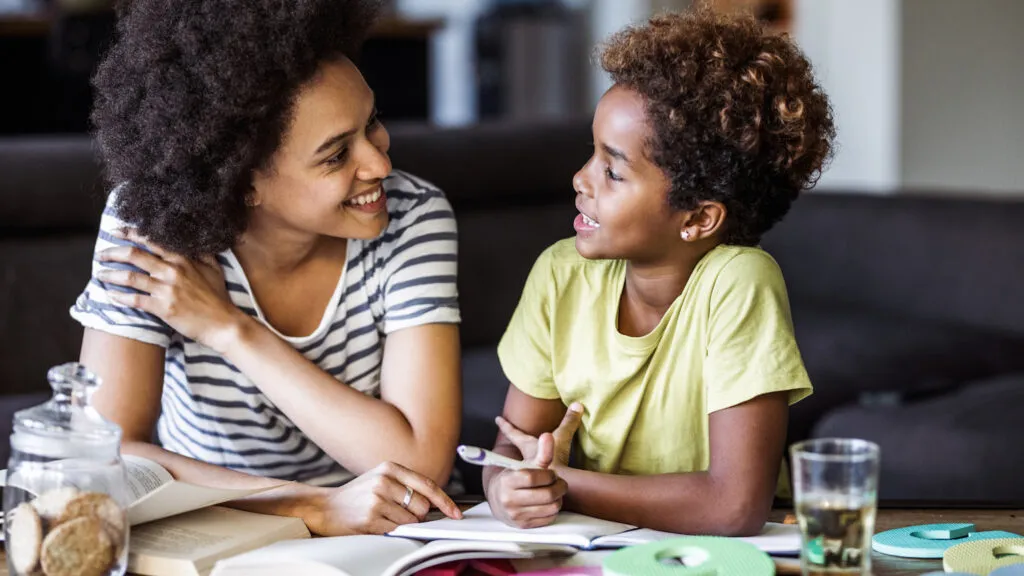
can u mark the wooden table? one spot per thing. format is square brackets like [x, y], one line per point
[1008, 520]
[882, 565]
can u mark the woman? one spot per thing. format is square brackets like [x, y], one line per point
[266, 292]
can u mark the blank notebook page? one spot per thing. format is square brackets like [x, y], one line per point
[479, 524]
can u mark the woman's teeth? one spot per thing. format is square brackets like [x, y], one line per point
[590, 222]
[365, 198]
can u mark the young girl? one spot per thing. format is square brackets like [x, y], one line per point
[662, 326]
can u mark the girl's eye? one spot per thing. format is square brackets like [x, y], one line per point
[612, 175]
[338, 157]
[374, 120]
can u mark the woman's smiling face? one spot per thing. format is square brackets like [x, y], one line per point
[326, 177]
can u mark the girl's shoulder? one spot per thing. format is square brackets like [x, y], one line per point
[729, 270]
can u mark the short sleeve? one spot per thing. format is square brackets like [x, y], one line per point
[751, 347]
[94, 309]
[525, 350]
[422, 266]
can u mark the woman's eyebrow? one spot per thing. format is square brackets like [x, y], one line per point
[334, 140]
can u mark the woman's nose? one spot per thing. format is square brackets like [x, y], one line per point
[374, 162]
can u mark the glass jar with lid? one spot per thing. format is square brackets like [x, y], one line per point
[66, 498]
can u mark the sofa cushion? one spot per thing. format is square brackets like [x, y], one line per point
[8, 406]
[39, 281]
[483, 397]
[49, 184]
[956, 259]
[961, 446]
[860, 355]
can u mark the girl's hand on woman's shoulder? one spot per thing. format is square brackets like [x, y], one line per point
[377, 502]
[190, 295]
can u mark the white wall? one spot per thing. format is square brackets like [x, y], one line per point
[452, 57]
[963, 95]
[608, 17]
[854, 48]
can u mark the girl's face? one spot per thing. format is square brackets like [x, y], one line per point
[621, 194]
[326, 176]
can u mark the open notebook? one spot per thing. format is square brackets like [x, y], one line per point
[575, 530]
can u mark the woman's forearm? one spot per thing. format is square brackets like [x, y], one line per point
[281, 499]
[356, 430]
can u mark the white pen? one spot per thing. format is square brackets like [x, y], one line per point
[482, 457]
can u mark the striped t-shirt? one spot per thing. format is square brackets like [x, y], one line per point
[212, 412]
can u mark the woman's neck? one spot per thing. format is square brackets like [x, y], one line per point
[277, 249]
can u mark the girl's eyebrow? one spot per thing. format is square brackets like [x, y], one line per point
[616, 153]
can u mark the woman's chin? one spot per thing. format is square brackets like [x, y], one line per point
[366, 229]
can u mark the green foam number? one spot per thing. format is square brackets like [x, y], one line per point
[930, 540]
[984, 556]
[690, 556]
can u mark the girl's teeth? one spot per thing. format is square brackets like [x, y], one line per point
[589, 222]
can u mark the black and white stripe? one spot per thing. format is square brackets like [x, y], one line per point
[213, 412]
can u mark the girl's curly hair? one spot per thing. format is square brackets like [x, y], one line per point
[735, 113]
[196, 94]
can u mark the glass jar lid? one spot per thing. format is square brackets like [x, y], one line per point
[67, 426]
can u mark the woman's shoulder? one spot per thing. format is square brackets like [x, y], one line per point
[405, 191]
[416, 203]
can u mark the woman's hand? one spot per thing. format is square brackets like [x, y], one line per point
[531, 498]
[375, 503]
[189, 295]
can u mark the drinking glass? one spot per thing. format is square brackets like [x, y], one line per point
[835, 489]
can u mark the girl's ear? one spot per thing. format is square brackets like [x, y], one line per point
[706, 220]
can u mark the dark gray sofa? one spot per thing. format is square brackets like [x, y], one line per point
[908, 309]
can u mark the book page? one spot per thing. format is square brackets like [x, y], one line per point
[372, 556]
[347, 555]
[774, 538]
[444, 551]
[478, 523]
[144, 475]
[202, 537]
[158, 495]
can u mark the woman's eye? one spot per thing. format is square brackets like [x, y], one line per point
[374, 120]
[338, 157]
[612, 175]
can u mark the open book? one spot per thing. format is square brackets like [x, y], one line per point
[176, 528]
[178, 531]
[372, 556]
[156, 494]
[576, 530]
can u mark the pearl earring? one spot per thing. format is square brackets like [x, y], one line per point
[685, 234]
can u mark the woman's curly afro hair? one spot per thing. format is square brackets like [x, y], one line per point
[196, 94]
[735, 113]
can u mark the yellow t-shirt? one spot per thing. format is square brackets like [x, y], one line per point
[725, 340]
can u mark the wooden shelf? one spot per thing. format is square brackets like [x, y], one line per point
[39, 23]
[777, 15]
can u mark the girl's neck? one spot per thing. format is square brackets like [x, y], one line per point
[651, 288]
